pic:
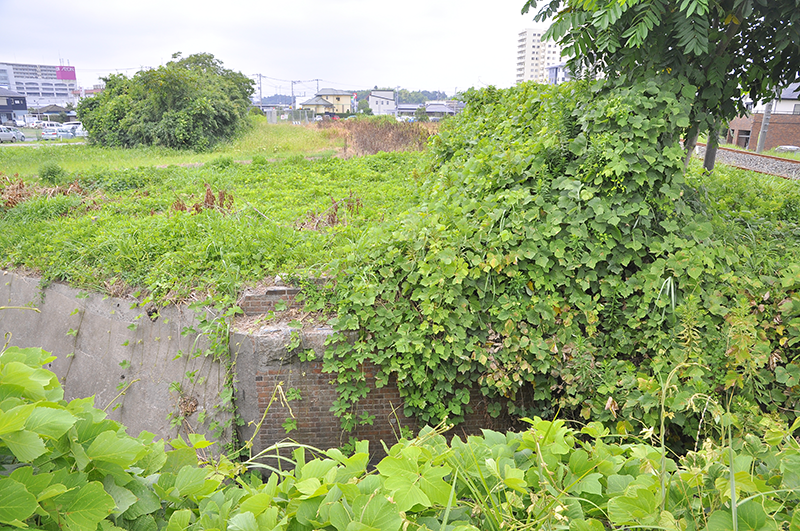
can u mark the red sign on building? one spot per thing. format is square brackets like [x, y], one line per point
[65, 72]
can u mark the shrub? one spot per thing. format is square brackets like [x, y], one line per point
[220, 163]
[189, 103]
[52, 174]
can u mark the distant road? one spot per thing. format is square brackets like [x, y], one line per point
[33, 143]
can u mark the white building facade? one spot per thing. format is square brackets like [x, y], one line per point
[382, 102]
[41, 84]
[534, 56]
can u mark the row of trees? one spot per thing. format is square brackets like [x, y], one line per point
[190, 102]
[726, 48]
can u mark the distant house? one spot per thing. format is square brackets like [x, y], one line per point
[558, 74]
[13, 106]
[79, 94]
[331, 101]
[784, 124]
[434, 109]
[382, 102]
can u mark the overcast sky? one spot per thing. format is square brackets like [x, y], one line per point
[347, 44]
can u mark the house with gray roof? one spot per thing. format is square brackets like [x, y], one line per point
[13, 106]
[330, 100]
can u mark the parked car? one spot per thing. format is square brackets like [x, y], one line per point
[77, 128]
[18, 134]
[56, 133]
[7, 135]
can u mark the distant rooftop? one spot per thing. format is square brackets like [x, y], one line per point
[334, 92]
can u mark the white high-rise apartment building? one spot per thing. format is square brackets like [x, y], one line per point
[534, 56]
[40, 84]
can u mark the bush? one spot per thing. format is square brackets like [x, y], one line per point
[52, 174]
[220, 163]
[189, 103]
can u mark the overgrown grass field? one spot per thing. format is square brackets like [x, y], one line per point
[111, 219]
[274, 142]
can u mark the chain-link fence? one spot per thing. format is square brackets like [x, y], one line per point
[297, 116]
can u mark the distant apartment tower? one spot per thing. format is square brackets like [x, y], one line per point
[534, 56]
[41, 84]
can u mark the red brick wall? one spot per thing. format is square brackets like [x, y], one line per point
[784, 129]
[316, 424]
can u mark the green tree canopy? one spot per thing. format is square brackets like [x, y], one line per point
[190, 102]
[726, 48]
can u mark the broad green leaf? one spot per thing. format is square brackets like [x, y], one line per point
[720, 521]
[16, 503]
[14, 419]
[586, 525]
[179, 521]
[190, 480]
[638, 507]
[438, 491]
[123, 498]
[256, 504]
[361, 526]
[268, 520]
[52, 422]
[378, 513]
[341, 515]
[154, 458]
[409, 496]
[88, 507]
[177, 459]
[751, 516]
[34, 483]
[106, 525]
[198, 440]
[513, 478]
[25, 445]
[143, 523]
[146, 500]
[108, 446]
[794, 525]
[309, 487]
[590, 483]
[245, 521]
[32, 381]
[616, 484]
[56, 489]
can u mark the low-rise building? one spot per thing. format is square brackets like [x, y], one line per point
[558, 74]
[331, 101]
[784, 122]
[13, 106]
[382, 102]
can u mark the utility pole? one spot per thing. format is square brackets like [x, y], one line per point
[293, 102]
[260, 95]
[762, 135]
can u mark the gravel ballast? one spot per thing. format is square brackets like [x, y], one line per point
[753, 161]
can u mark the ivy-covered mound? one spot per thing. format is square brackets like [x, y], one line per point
[562, 266]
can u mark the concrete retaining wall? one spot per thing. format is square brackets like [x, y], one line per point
[105, 344]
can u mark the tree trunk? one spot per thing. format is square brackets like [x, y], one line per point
[762, 135]
[689, 145]
[711, 146]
